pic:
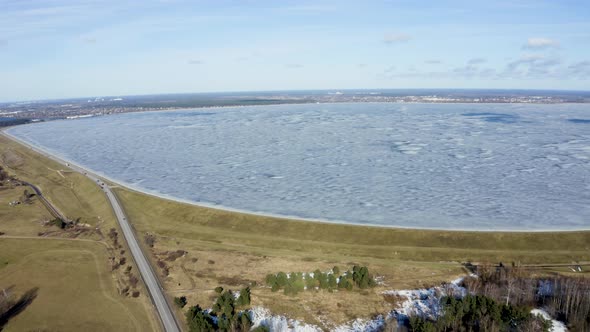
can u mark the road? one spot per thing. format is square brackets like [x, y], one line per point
[52, 209]
[149, 276]
[146, 271]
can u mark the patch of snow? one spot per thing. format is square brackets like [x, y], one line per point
[263, 317]
[369, 325]
[558, 326]
[425, 302]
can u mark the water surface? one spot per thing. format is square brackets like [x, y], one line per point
[450, 166]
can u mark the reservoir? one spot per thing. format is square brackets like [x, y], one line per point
[443, 166]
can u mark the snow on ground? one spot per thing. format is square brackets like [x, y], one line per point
[278, 323]
[425, 302]
[368, 325]
[557, 325]
[262, 316]
[455, 166]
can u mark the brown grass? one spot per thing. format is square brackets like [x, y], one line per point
[76, 290]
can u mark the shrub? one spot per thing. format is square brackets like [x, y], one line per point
[271, 279]
[58, 222]
[244, 298]
[180, 301]
[310, 282]
[362, 278]
[150, 240]
[332, 284]
[282, 279]
[133, 280]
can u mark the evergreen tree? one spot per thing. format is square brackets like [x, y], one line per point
[282, 279]
[332, 284]
[244, 298]
[198, 320]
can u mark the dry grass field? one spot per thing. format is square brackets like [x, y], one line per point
[21, 220]
[76, 289]
[234, 249]
[72, 193]
[72, 268]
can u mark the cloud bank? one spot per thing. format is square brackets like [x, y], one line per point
[540, 43]
[393, 38]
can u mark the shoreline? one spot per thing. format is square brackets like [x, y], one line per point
[172, 109]
[77, 167]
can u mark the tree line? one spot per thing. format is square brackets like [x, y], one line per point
[567, 298]
[296, 282]
[480, 313]
[229, 313]
[502, 296]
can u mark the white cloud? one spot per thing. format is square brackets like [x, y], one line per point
[526, 67]
[533, 66]
[476, 61]
[580, 65]
[533, 60]
[392, 38]
[579, 70]
[541, 43]
[195, 62]
[389, 69]
[309, 9]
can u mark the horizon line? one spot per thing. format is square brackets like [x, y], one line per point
[290, 90]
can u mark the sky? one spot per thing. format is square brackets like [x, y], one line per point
[51, 49]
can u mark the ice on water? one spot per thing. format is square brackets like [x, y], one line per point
[452, 166]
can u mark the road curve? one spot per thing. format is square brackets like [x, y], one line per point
[52, 209]
[148, 275]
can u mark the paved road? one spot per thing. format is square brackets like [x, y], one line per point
[150, 279]
[148, 274]
[52, 209]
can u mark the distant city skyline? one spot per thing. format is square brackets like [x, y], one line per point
[66, 49]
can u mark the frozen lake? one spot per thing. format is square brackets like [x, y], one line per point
[447, 166]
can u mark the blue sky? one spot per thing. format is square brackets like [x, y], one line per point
[58, 49]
